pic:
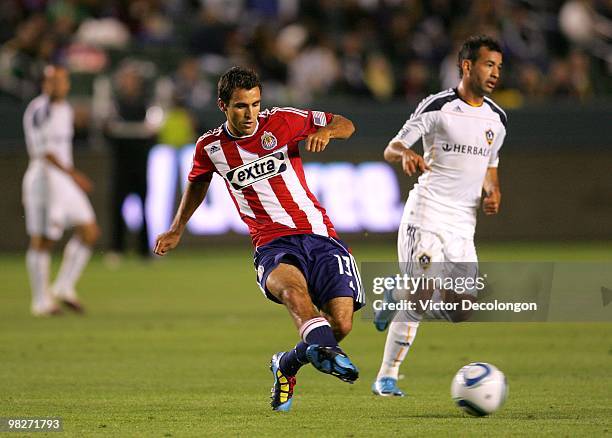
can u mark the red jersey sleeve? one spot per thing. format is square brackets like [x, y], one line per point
[202, 168]
[302, 123]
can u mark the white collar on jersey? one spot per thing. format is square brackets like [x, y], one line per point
[227, 131]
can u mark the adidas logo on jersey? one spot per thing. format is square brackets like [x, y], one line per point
[263, 168]
[214, 148]
[457, 109]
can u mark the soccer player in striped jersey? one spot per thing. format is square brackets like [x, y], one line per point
[299, 260]
[54, 197]
[462, 131]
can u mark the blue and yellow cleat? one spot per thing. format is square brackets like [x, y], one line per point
[386, 386]
[282, 390]
[330, 361]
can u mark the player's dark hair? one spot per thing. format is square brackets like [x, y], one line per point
[472, 45]
[236, 78]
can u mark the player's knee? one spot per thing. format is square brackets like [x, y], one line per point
[287, 284]
[40, 243]
[90, 234]
[95, 234]
[35, 243]
[291, 293]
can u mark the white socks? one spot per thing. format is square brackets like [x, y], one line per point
[76, 256]
[38, 264]
[399, 339]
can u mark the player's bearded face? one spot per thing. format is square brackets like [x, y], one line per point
[62, 85]
[56, 83]
[485, 72]
[242, 111]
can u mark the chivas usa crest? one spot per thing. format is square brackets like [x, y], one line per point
[268, 141]
[489, 136]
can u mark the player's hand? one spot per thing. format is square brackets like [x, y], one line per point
[490, 203]
[166, 241]
[317, 141]
[82, 181]
[413, 162]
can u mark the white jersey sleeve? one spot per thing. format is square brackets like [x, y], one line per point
[49, 129]
[499, 141]
[34, 119]
[422, 122]
[415, 128]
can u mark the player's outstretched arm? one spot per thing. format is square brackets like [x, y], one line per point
[79, 177]
[492, 199]
[412, 162]
[191, 200]
[340, 127]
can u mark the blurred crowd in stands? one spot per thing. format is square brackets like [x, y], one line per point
[307, 49]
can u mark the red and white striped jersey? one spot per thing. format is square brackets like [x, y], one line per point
[264, 174]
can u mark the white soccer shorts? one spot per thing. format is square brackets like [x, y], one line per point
[413, 243]
[429, 254]
[49, 212]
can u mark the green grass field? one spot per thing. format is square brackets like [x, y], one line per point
[180, 347]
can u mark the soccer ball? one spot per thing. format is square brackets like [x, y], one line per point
[479, 389]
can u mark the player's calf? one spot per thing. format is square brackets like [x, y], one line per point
[339, 312]
[89, 233]
[341, 328]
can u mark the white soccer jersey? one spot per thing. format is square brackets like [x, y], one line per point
[460, 142]
[48, 128]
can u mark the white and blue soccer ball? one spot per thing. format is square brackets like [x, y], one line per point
[479, 389]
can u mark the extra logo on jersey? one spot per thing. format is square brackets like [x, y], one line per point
[489, 135]
[257, 170]
[268, 141]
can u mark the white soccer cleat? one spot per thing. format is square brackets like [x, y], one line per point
[386, 387]
[42, 311]
[68, 299]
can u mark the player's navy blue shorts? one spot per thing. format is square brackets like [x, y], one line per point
[328, 267]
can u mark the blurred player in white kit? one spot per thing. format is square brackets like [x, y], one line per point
[54, 197]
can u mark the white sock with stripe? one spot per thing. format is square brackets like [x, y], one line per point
[399, 339]
[76, 256]
[318, 331]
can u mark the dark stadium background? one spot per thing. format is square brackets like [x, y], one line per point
[369, 60]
